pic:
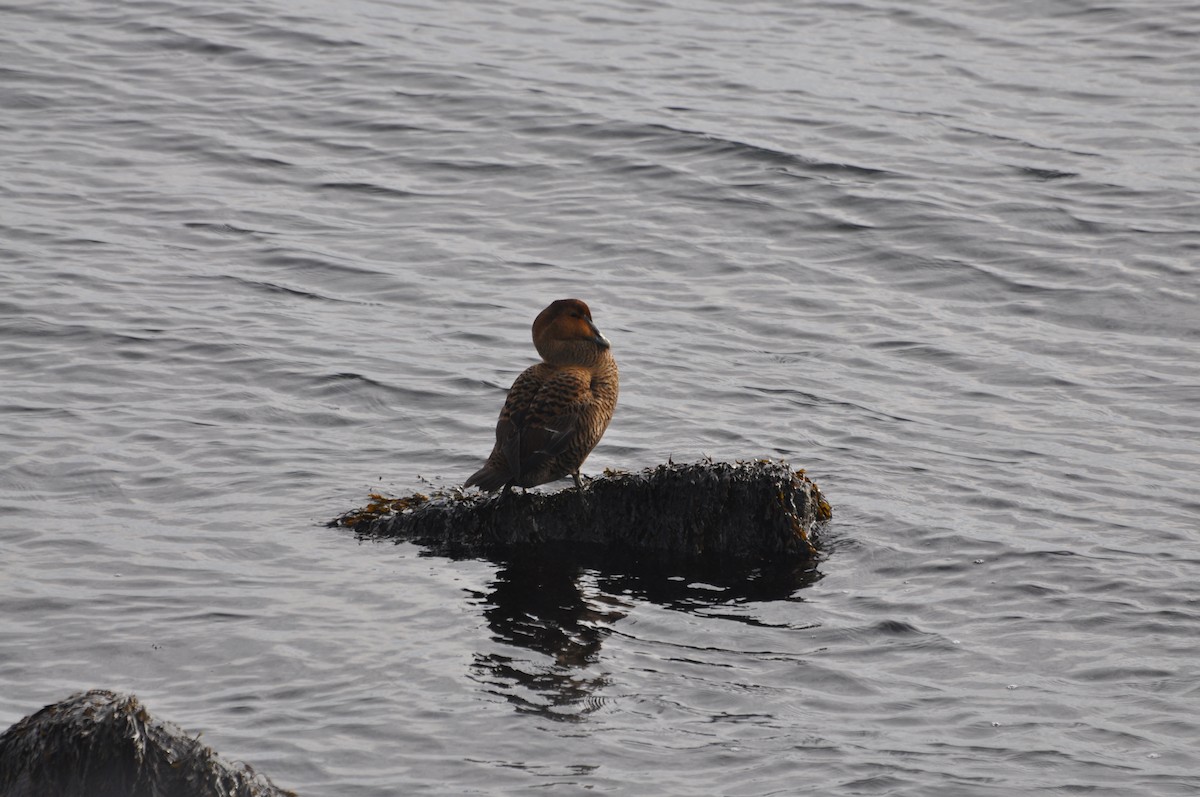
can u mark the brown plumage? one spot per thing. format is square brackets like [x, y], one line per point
[558, 409]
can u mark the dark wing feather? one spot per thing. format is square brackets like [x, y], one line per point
[540, 421]
[540, 425]
[497, 471]
[529, 446]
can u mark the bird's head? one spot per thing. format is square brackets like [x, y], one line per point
[565, 334]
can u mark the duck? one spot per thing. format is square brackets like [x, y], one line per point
[556, 410]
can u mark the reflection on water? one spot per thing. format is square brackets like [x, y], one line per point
[537, 604]
[557, 605]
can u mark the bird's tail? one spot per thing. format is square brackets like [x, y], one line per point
[487, 478]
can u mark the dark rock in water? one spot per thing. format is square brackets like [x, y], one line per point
[102, 744]
[745, 513]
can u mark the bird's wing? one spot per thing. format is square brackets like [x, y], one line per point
[541, 417]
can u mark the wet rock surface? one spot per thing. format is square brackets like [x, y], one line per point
[105, 744]
[744, 513]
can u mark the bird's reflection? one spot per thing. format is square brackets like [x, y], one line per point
[537, 603]
[562, 606]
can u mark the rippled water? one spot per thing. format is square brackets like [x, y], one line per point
[261, 258]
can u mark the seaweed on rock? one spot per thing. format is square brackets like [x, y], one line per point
[104, 744]
[743, 513]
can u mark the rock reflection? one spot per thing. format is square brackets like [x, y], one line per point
[538, 603]
[563, 608]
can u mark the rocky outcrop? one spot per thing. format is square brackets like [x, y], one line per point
[744, 513]
[104, 744]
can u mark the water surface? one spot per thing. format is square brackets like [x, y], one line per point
[260, 259]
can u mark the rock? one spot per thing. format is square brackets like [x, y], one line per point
[744, 513]
[103, 744]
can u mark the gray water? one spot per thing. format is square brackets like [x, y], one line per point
[260, 259]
